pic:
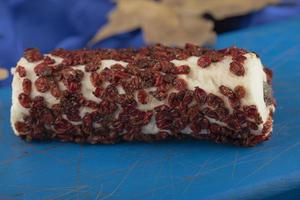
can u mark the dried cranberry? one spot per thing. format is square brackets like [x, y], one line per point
[200, 95]
[62, 126]
[204, 61]
[183, 69]
[48, 60]
[252, 125]
[42, 84]
[46, 116]
[90, 104]
[107, 107]
[240, 59]
[214, 101]
[26, 85]
[142, 97]
[72, 74]
[43, 69]
[235, 102]
[180, 84]
[22, 127]
[98, 92]
[187, 98]
[73, 86]
[214, 128]
[237, 68]
[159, 80]
[91, 67]
[240, 91]
[169, 78]
[21, 71]
[24, 100]
[55, 91]
[117, 67]
[38, 101]
[95, 79]
[251, 111]
[216, 56]
[159, 95]
[226, 91]
[33, 55]
[182, 56]
[161, 108]
[110, 93]
[172, 100]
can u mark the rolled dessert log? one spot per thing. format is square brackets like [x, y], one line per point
[147, 94]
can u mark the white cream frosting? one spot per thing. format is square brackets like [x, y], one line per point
[209, 79]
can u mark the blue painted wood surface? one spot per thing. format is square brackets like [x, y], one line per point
[170, 170]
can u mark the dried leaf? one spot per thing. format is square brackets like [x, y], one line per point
[132, 14]
[173, 22]
[218, 9]
[192, 30]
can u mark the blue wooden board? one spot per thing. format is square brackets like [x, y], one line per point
[170, 170]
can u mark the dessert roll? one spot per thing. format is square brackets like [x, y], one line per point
[147, 94]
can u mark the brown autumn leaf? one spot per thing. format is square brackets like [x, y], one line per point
[218, 9]
[173, 22]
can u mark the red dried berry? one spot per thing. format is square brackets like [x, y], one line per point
[26, 85]
[21, 71]
[42, 84]
[200, 95]
[33, 55]
[215, 56]
[240, 91]
[226, 91]
[98, 92]
[24, 100]
[183, 69]
[159, 80]
[161, 108]
[91, 67]
[43, 69]
[214, 101]
[117, 67]
[180, 84]
[49, 61]
[96, 79]
[204, 61]
[73, 86]
[172, 100]
[251, 111]
[187, 98]
[90, 104]
[62, 126]
[22, 127]
[38, 102]
[215, 128]
[237, 68]
[181, 56]
[240, 59]
[235, 102]
[55, 91]
[72, 74]
[142, 97]
[252, 125]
